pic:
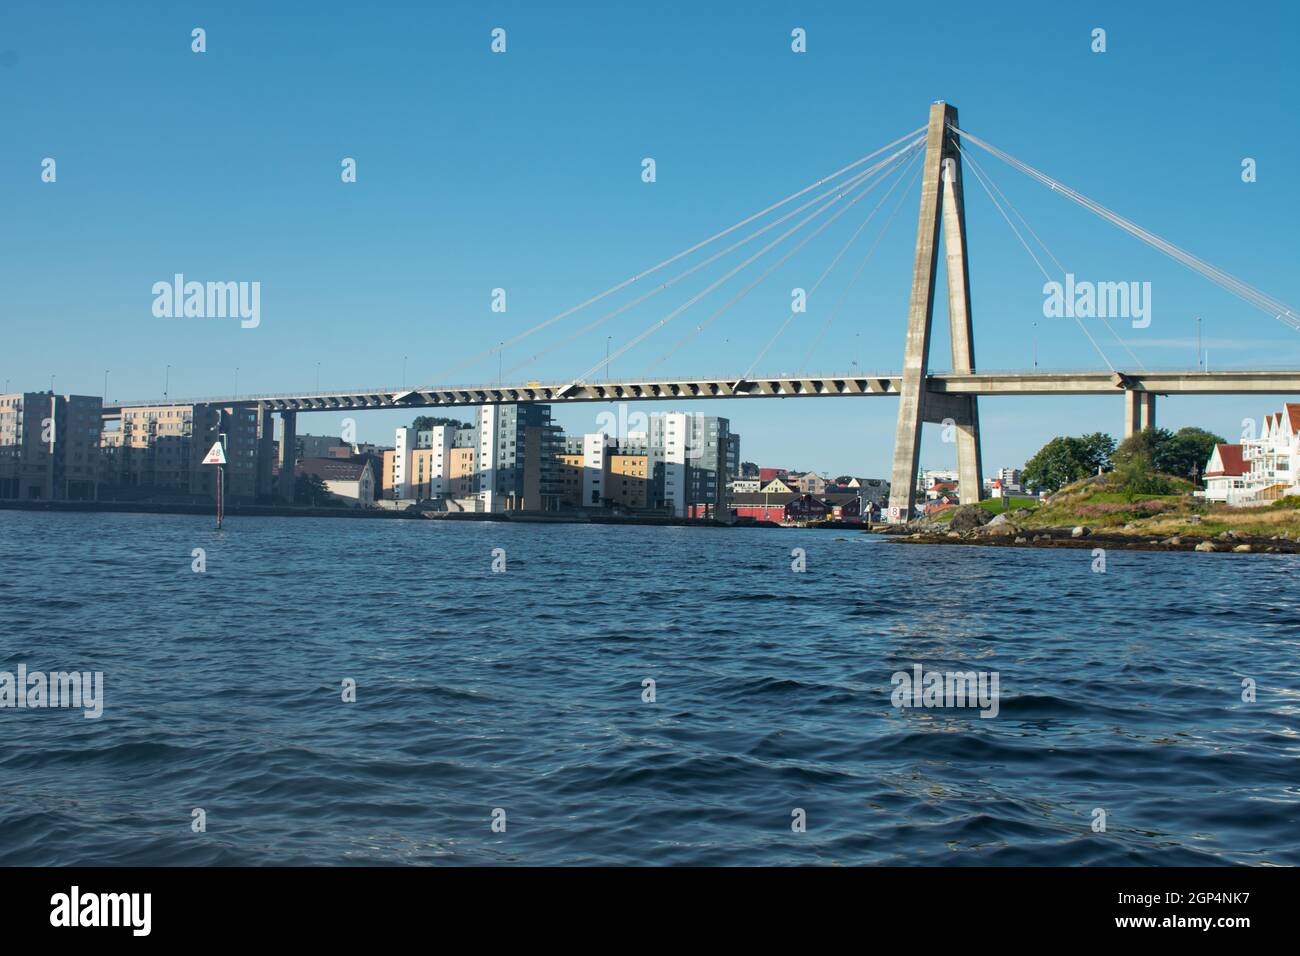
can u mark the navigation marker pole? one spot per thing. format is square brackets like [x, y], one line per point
[217, 456]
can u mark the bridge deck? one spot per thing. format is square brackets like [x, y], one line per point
[818, 386]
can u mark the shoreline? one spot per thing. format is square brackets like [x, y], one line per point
[1227, 542]
[996, 536]
[297, 511]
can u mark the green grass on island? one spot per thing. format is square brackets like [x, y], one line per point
[999, 505]
[1106, 503]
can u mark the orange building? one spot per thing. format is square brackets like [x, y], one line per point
[460, 473]
[628, 483]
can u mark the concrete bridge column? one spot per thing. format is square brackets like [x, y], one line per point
[265, 451]
[288, 454]
[1139, 411]
[969, 471]
[941, 205]
[916, 352]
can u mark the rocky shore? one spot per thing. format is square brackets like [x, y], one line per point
[973, 525]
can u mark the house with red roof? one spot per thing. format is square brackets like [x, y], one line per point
[1260, 468]
[1226, 474]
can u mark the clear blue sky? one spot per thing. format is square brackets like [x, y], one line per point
[522, 171]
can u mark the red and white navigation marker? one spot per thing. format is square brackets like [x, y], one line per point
[217, 456]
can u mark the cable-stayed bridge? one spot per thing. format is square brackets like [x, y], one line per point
[933, 154]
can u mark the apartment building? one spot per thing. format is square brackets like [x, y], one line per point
[713, 455]
[159, 450]
[49, 446]
[516, 458]
[683, 466]
[568, 477]
[461, 480]
[513, 457]
[627, 482]
[595, 472]
[424, 465]
[505, 458]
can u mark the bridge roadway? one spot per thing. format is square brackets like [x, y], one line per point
[817, 386]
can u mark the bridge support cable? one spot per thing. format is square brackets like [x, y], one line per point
[1046, 275]
[848, 184]
[987, 182]
[656, 326]
[835, 309]
[487, 353]
[898, 159]
[902, 175]
[1261, 300]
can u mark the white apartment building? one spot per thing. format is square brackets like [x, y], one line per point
[403, 445]
[670, 432]
[594, 448]
[420, 462]
[485, 461]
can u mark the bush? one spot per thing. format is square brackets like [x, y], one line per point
[1135, 478]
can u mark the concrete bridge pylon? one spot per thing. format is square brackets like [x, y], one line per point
[942, 205]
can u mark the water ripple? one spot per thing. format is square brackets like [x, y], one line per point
[526, 691]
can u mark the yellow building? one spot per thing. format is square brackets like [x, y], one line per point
[388, 479]
[623, 480]
[459, 483]
[628, 484]
[460, 473]
[421, 481]
[568, 478]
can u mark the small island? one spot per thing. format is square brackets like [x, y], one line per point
[1133, 499]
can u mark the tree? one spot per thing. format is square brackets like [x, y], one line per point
[1098, 449]
[1143, 459]
[1064, 459]
[1185, 453]
[309, 490]
[424, 423]
[1141, 449]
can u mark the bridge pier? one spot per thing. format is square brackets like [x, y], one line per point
[265, 452]
[1139, 411]
[941, 204]
[288, 454]
[970, 479]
